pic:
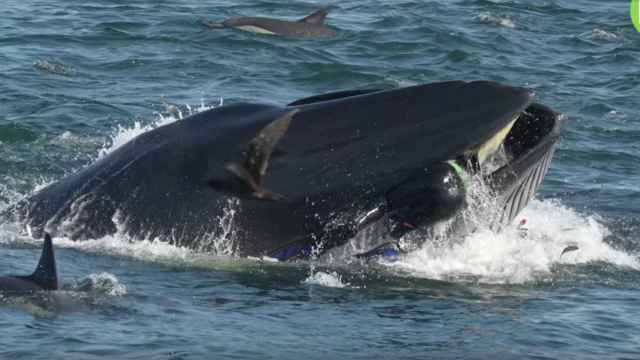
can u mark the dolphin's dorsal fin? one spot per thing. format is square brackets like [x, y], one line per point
[255, 165]
[316, 18]
[46, 275]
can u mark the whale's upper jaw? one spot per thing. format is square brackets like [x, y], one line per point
[371, 140]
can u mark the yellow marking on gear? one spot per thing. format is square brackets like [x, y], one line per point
[490, 146]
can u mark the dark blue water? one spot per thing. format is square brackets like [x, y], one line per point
[77, 79]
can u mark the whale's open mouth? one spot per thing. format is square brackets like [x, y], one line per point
[513, 163]
[517, 167]
[518, 138]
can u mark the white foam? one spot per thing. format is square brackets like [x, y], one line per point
[510, 256]
[67, 135]
[489, 18]
[54, 67]
[8, 195]
[599, 34]
[41, 184]
[124, 246]
[616, 115]
[330, 279]
[105, 283]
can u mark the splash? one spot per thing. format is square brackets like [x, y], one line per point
[154, 250]
[218, 246]
[8, 195]
[120, 244]
[102, 283]
[171, 114]
[514, 256]
[222, 242]
[326, 279]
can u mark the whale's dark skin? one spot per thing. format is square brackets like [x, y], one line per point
[310, 26]
[333, 157]
[45, 277]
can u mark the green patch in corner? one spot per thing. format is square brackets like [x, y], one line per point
[635, 14]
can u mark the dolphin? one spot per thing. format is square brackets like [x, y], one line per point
[288, 181]
[309, 26]
[45, 277]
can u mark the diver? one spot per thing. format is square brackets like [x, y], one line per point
[434, 194]
[428, 196]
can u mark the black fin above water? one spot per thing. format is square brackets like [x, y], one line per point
[46, 274]
[316, 18]
[255, 166]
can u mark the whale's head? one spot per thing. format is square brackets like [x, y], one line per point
[408, 156]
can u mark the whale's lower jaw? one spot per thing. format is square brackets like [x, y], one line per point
[517, 182]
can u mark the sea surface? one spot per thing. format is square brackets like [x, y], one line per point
[80, 78]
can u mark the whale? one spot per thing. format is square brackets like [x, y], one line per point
[296, 180]
[312, 25]
[45, 276]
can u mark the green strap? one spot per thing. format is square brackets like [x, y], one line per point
[461, 172]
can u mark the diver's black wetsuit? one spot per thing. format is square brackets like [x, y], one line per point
[431, 195]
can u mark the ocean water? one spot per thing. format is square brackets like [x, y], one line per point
[78, 79]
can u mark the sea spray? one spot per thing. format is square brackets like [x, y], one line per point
[510, 256]
[172, 113]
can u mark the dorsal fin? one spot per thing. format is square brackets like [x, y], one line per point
[254, 168]
[261, 147]
[316, 18]
[46, 275]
